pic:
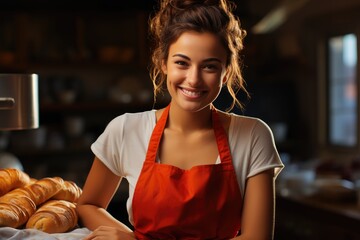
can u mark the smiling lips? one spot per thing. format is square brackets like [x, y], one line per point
[191, 94]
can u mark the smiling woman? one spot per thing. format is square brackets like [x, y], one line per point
[200, 17]
[195, 69]
[189, 163]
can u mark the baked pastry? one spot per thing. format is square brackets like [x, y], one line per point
[19, 205]
[15, 209]
[69, 192]
[43, 189]
[54, 216]
[32, 180]
[11, 178]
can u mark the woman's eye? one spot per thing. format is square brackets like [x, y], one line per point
[210, 67]
[181, 63]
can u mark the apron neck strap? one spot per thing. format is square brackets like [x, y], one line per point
[220, 135]
[221, 138]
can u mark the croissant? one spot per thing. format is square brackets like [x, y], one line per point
[70, 192]
[15, 209]
[32, 180]
[43, 189]
[54, 216]
[11, 178]
[18, 205]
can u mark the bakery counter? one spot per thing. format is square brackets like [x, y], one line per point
[308, 217]
[32, 234]
[38, 208]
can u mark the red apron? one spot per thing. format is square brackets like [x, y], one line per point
[203, 202]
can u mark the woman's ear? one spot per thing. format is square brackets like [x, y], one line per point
[163, 67]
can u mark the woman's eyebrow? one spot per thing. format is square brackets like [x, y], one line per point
[181, 55]
[206, 60]
[212, 60]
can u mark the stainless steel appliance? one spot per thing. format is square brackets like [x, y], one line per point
[19, 109]
[19, 104]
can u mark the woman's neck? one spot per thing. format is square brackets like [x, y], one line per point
[186, 121]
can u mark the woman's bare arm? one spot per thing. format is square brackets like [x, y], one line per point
[99, 189]
[259, 208]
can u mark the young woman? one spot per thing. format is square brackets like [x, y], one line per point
[194, 172]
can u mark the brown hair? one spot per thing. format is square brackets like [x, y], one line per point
[215, 16]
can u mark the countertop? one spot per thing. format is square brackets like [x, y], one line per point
[33, 234]
[309, 217]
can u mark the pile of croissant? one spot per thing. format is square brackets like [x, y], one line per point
[47, 204]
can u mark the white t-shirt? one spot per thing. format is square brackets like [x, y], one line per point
[123, 145]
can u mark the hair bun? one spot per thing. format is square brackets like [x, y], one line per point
[183, 4]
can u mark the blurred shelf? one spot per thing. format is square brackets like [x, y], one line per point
[111, 5]
[92, 44]
[50, 153]
[95, 106]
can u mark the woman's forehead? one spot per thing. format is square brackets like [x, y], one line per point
[195, 43]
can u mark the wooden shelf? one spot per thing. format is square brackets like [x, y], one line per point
[49, 153]
[93, 44]
[94, 106]
[74, 38]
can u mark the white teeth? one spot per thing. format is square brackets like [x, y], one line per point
[191, 93]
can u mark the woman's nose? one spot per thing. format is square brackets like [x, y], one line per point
[194, 77]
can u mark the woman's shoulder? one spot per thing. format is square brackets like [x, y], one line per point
[251, 125]
[136, 116]
[242, 119]
[134, 119]
[232, 121]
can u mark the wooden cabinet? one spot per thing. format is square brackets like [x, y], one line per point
[82, 38]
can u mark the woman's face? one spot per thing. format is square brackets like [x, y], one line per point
[195, 70]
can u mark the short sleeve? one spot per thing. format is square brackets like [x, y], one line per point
[107, 147]
[252, 148]
[264, 154]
